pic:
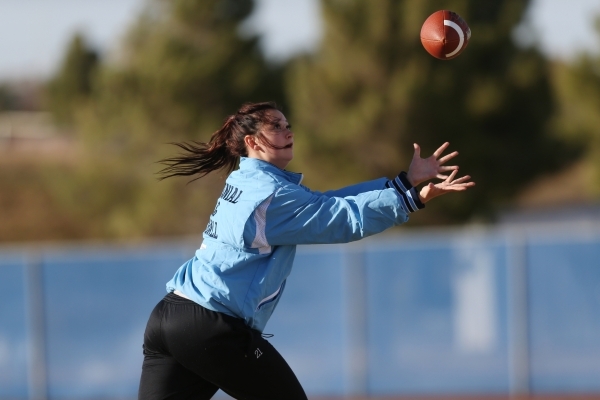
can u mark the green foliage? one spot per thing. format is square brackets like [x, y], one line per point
[73, 82]
[357, 105]
[187, 68]
[578, 116]
[182, 69]
[372, 90]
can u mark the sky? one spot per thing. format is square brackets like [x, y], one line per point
[34, 33]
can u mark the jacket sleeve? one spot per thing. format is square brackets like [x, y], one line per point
[408, 193]
[353, 190]
[293, 215]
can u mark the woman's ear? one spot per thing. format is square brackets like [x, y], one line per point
[250, 142]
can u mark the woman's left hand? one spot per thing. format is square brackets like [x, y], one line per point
[446, 186]
[424, 169]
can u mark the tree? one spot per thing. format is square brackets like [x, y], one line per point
[578, 119]
[73, 81]
[371, 91]
[181, 70]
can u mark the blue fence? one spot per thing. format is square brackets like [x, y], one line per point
[458, 311]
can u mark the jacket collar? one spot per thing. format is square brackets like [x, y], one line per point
[255, 163]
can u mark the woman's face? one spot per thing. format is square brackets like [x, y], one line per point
[279, 134]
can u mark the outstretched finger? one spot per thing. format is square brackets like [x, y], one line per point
[458, 188]
[450, 178]
[448, 168]
[441, 149]
[417, 150]
[461, 179]
[461, 186]
[448, 157]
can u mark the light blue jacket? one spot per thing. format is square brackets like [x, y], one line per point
[263, 213]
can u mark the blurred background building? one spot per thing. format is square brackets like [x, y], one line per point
[490, 292]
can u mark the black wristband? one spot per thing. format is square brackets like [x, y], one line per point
[408, 194]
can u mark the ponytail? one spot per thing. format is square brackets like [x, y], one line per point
[225, 147]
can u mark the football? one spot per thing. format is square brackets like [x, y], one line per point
[445, 35]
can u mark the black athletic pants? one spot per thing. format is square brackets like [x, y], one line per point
[191, 352]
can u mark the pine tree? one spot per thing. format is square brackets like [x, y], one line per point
[73, 81]
[371, 91]
[183, 67]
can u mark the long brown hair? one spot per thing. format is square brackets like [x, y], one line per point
[225, 146]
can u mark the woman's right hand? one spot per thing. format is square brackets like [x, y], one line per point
[424, 169]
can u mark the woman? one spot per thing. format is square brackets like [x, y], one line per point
[206, 334]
